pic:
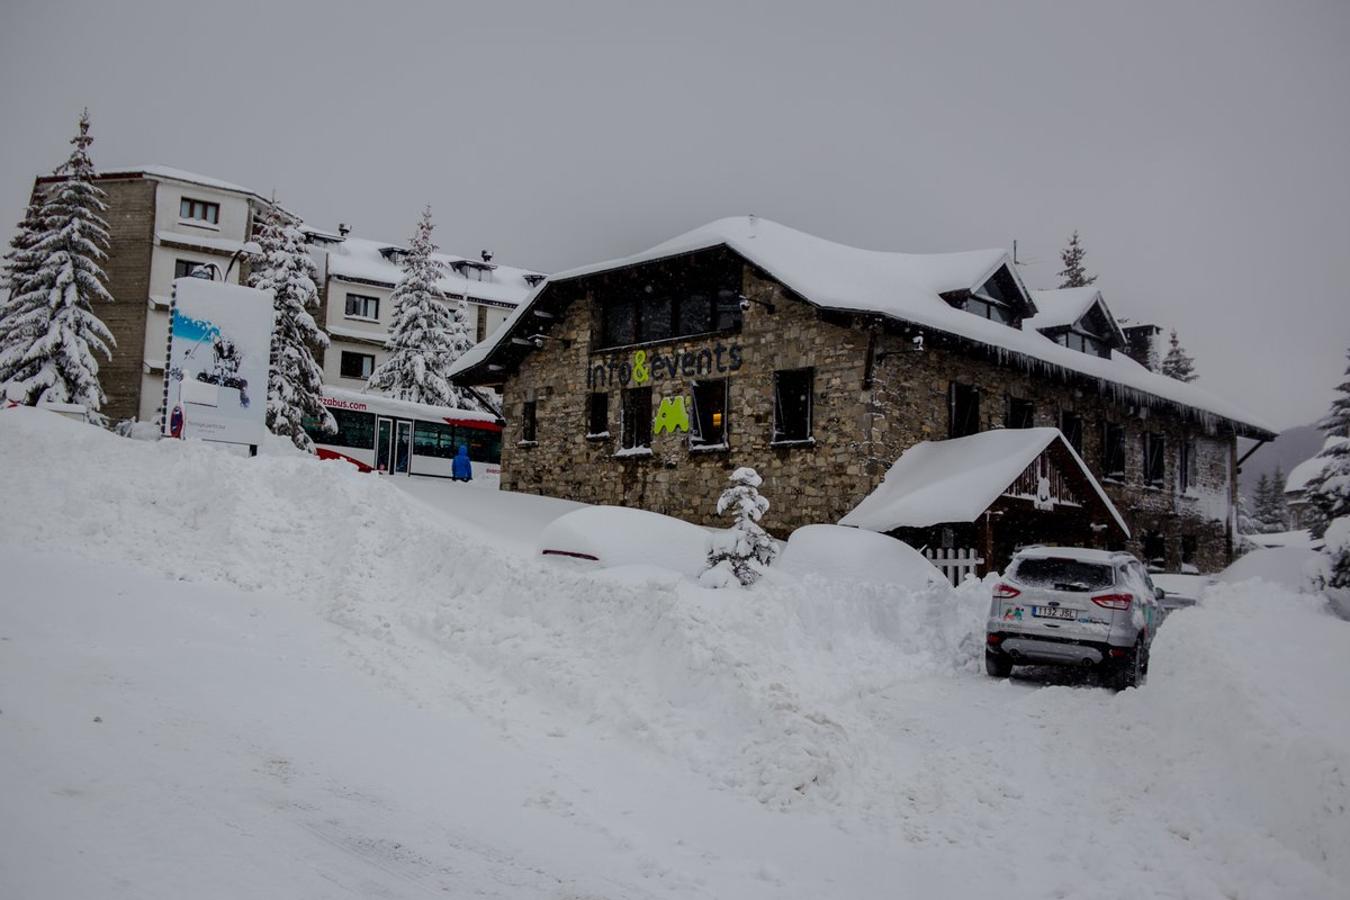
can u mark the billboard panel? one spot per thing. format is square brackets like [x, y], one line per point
[215, 382]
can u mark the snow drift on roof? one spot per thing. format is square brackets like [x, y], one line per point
[1302, 474]
[936, 482]
[361, 258]
[173, 174]
[1061, 308]
[902, 286]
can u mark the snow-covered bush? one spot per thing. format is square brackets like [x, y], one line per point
[1338, 552]
[745, 549]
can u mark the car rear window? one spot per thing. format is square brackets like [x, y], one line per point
[1062, 574]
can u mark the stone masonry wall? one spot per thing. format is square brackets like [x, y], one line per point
[859, 429]
[131, 223]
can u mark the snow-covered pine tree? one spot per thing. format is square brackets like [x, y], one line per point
[1178, 363]
[48, 330]
[1329, 491]
[746, 548]
[17, 271]
[1261, 507]
[426, 334]
[294, 379]
[1073, 274]
[1279, 504]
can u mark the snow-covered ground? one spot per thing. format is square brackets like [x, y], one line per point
[224, 677]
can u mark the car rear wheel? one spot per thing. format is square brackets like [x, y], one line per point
[1129, 671]
[997, 665]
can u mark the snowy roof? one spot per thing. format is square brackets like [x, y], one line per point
[367, 260]
[201, 242]
[1061, 308]
[902, 286]
[956, 480]
[1302, 474]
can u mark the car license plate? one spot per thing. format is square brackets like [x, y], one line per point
[1054, 612]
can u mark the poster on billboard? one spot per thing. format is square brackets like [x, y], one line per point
[215, 382]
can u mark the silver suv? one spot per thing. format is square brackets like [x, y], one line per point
[1073, 607]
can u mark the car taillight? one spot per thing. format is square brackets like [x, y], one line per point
[1114, 601]
[993, 639]
[1004, 591]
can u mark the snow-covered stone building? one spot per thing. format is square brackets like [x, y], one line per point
[359, 275]
[1300, 478]
[642, 381]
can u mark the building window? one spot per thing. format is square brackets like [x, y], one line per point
[1071, 424]
[357, 365]
[709, 423]
[988, 310]
[1020, 414]
[199, 211]
[529, 432]
[1187, 467]
[183, 268]
[1190, 546]
[360, 306]
[1155, 550]
[792, 393]
[637, 418]
[1113, 450]
[597, 415]
[1155, 460]
[481, 325]
[654, 317]
[963, 407]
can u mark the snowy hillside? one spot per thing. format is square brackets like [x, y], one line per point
[223, 677]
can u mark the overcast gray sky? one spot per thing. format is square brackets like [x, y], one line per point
[1201, 148]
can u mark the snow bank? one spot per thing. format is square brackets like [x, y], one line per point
[1293, 568]
[850, 554]
[743, 687]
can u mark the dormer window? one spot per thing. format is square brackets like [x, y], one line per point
[988, 308]
[998, 299]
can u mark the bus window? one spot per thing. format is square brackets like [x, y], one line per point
[355, 429]
[434, 439]
[484, 446]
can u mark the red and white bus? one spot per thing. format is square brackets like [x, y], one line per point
[381, 434]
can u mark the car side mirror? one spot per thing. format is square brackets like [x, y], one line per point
[1160, 594]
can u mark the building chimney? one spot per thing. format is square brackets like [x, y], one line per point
[344, 229]
[1141, 344]
[487, 257]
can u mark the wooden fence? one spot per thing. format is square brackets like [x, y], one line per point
[955, 564]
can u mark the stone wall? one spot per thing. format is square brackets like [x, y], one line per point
[860, 424]
[131, 223]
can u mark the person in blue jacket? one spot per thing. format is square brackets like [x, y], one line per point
[461, 469]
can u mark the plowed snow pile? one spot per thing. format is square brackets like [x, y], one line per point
[309, 683]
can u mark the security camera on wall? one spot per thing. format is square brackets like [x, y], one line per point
[745, 304]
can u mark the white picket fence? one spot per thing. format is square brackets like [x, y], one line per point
[955, 564]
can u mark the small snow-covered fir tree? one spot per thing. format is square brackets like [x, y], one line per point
[1269, 501]
[294, 379]
[1074, 274]
[1178, 363]
[48, 331]
[745, 548]
[1329, 491]
[426, 334]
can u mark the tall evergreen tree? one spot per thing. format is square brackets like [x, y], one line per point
[1279, 504]
[426, 334]
[1329, 491]
[1074, 274]
[48, 330]
[18, 267]
[294, 379]
[1178, 363]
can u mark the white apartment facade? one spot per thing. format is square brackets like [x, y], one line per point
[359, 276]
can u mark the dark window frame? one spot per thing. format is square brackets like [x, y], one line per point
[1071, 426]
[188, 209]
[704, 394]
[635, 418]
[962, 422]
[343, 367]
[1188, 468]
[1155, 458]
[1019, 413]
[723, 315]
[362, 301]
[1113, 450]
[781, 411]
[597, 413]
[183, 268]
